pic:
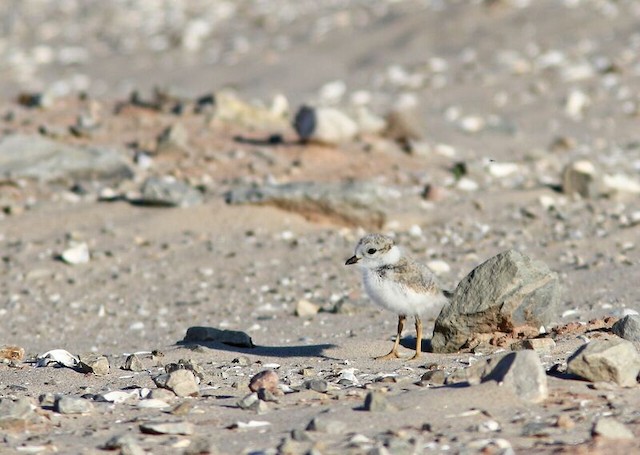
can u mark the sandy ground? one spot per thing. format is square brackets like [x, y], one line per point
[155, 272]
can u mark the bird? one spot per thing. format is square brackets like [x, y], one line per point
[396, 282]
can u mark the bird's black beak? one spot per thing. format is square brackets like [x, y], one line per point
[352, 260]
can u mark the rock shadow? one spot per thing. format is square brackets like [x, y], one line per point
[314, 350]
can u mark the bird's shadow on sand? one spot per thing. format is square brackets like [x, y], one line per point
[313, 350]
[410, 343]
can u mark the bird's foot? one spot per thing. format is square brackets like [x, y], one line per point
[415, 356]
[391, 355]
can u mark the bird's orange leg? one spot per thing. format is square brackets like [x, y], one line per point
[393, 354]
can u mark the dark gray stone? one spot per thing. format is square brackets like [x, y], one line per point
[317, 385]
[349, 203]
[507, 291]
[613, 360]
[25, 156]
[628, 327]
[522, 372]
[127, 445]
[230, 337]
[167, 192]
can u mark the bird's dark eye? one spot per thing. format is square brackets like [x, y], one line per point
[371, 250]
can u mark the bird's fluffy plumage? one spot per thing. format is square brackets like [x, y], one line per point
[395, 281]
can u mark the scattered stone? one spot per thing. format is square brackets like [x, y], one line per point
[59, 356]
[376, 401]
[368, 122]
[620, 183]
[628, 327]
[576, 103]
[267, 380]
[95, 364]
[12, 353]
[166, 191]
[324, 125]
[542, 346]
[404, 125]
[15, 412]
[72, 405]
[266, 395]
[521, 371]
[200, 446]
[317, 385]
[187, 364]
[133, 363]
[507, 291]
[182, 428]
[182, 382]
[613, 360]
[252, 402]
[580, 178]
[608, 427]
[118, 396]
[306, 309]
[325, 424]
[173, 140]
[46, 160]
[243, 361]
[231, 109]
[349, 203]
[565, 422]
[47, 399]
[435, 377]
[230, 337]
[125, 443]
[76, 254]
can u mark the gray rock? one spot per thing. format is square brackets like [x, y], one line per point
[20, 408]
[125, 443]
[182, 382]
[522, 372]
[542, 346]
[230, 337]
[166, 191]
[173, 139]
[436, 377]
[199, 446]
[349, 203]
[133, 363]
[25, 156]
[325, 424]
[317, 385]
[613, 360]
[507, 291]
[72, 405]
[376, 401]
[95, 364]
[580, 178]
[628, 327]
[184, 428]
[249, 401]
[610, 428]
[324, 125]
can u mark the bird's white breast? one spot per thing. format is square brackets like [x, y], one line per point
[398, 298]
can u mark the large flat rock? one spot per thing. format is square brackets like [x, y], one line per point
[36, 157]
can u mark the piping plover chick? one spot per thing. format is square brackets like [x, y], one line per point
[396, 282]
